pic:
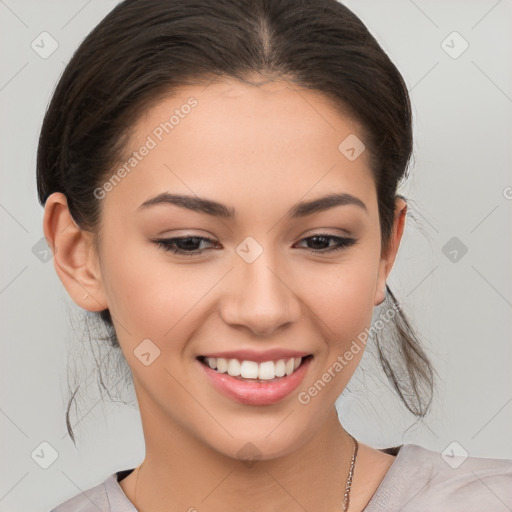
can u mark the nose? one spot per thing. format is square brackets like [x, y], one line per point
[261, 297]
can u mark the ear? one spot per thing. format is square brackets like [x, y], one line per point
[388, 258]
[75, 257]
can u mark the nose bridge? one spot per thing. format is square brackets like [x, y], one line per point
[260, 298]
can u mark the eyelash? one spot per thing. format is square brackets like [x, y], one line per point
[168, 243]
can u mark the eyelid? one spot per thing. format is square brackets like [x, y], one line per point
[344, 233]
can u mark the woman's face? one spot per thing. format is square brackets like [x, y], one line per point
[252, 281]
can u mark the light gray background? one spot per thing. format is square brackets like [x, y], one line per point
[460, 186]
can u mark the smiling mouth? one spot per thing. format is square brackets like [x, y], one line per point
[267, 371]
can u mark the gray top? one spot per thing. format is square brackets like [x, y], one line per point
[419, 480]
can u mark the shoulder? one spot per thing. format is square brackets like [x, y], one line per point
[421, 479]
[104, 497]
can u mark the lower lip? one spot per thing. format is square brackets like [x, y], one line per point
[256, 393]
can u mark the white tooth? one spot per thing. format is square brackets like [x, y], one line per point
[289, 366]
[267, 370]
[222, 365]
[234, 367]
[280, 368]
[249, 370]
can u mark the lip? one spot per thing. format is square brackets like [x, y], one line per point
[256, 393]
[258, 357]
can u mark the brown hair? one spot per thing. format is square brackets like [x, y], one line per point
[144, 49]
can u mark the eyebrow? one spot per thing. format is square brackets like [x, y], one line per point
[216, 209]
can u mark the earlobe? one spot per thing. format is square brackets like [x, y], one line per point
[387, 259]
[74, 258]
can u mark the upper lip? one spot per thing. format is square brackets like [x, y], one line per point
[252, 355]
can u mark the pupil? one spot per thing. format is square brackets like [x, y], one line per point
[315, 240]
[190, 243]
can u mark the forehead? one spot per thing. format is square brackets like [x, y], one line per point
[226, 139]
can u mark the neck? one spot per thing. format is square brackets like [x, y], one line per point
[181, 473]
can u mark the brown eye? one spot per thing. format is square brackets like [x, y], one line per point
[188, 245]
[323, 240]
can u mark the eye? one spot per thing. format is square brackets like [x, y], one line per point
[187, 245]
[323, 238]
[190, 245]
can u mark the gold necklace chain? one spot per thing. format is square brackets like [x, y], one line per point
[348, 485]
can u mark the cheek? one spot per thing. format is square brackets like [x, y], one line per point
[152, 297]
[146, 294]
[341, 296]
